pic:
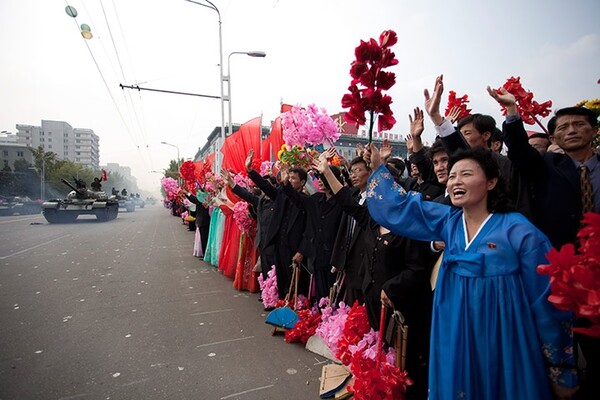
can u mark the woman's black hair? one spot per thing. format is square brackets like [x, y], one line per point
[497, 200]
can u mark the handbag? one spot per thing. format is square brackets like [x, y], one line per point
[397, 334]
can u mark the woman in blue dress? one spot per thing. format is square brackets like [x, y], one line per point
[494, 334]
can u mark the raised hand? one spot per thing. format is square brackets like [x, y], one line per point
[432, 103]
[327, 154]
[249, 160]
[409, 143]
[374, 156]
[284, 173]
[226, 175]
[386, 149]
[359, 150]
[320, 165]
[417, 125]
[453, 114]
[504, 98]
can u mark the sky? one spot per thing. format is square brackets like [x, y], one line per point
[50, 72]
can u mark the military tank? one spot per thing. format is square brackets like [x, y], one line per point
[125, 202]
[80, 201]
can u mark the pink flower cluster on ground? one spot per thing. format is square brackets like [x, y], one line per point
[268, 288]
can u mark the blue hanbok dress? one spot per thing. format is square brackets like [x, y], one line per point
[494, 335]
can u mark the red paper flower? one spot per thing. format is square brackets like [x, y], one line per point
[528, 108]
[367, 71]
[575, 277]
[385, 382]
[187, 171]
[307, 324]
[460, 102]
[357, 326]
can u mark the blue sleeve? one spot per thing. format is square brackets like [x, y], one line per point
[402, 212]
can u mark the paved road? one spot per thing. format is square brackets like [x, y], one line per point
[121, 310]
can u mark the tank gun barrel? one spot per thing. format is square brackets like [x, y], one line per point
[66, 182]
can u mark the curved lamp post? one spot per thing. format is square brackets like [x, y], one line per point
[221, 77]
[260, 54]
[178, 159]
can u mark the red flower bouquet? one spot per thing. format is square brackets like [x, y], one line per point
[460, 102]
[357, 326]
[575, 277]
[528, 108]
[367, 70]
[306, 326]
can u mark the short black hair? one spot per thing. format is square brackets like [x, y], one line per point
[398, 164]
[497, 136]
[586, 112]
[301, 173]
[359, 160]
[436, 147]
[483, 123]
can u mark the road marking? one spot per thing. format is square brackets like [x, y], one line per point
[21, 219]
[77, 396]
[201, 293]
[135, 382]
[225, 341]
[247, 391]
[36, 246]
[212, 312]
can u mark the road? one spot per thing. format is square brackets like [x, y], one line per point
[122, 310]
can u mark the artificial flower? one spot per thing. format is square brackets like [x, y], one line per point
[241, 215]
[268, 288]
[575, 276]
[308, 320]
[528, 108]
[460, 102]
[368, 82]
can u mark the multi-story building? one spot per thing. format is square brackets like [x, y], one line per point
[78, 145]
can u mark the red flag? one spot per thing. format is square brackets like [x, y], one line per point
[104, 177]
[236, 146]
[274, 141]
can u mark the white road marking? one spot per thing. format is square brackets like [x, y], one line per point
[36, 246]
[212, 312]
[225, 341]
[247, 391]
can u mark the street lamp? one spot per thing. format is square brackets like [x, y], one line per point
[221, 78]
[228, 78]
[178, 159]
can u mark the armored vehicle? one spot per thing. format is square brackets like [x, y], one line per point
[80, 201]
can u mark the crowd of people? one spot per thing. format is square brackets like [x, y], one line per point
[451, 237]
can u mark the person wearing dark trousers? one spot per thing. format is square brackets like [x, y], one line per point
[323, 218]
[286, 230]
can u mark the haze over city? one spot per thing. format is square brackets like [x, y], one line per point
[50, 72]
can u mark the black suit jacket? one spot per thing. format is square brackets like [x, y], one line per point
[556, 189]
[283, 208]
[354, 256]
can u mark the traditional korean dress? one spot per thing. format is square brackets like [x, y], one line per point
[494, 334]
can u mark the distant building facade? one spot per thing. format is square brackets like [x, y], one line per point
[350, 137]
[79, 145]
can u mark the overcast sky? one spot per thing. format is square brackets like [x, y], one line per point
[49, 72]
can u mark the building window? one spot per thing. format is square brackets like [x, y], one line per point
[49, 139]
[77, 135]
[49, 146]
[5, 153]
[78, 153]
[6, 163]
[20, 154]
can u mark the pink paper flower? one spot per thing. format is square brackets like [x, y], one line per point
[268, 287]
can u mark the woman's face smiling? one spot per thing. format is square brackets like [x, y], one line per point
[468, 186]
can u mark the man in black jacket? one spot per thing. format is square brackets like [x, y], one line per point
[286, 229]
